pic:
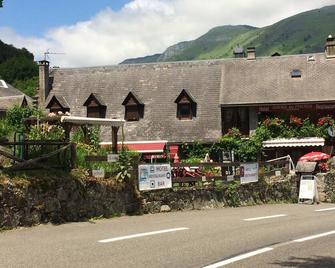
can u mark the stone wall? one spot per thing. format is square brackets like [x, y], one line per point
[233, 194]
[61, 199]
[65, 198]
[326, 187]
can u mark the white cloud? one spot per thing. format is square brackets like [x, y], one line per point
[144, 27]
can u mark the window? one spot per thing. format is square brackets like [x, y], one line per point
[296, 73]
[134, 109]
[58, 104]
[186, 106]
[95, 106]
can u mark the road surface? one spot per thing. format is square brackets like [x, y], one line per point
[288, 235]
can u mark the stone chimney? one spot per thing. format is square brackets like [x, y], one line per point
[330, 47]
[239, 52]
[251, 53]
[43, 90]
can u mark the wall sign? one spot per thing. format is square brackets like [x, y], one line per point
[154, 177]
[249, 172]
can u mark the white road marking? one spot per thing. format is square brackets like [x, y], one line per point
[325, 209]
[238, 258]
[141, 235]
[313, 237]
[266, 217]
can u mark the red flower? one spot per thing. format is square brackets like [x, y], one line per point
[295, 120]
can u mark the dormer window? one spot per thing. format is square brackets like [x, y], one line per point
[134, 108]
[58, 104]
[95, 106]
[296, 73]
[186, 106]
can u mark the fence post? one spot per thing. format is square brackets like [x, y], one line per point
[73, 155]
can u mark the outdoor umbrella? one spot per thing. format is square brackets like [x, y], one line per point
[314, 156]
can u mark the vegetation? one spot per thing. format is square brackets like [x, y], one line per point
[18, 68]
[302, 33]
[249, 148]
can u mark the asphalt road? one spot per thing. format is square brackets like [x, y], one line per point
[262, 236]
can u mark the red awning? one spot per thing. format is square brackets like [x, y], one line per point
[148, 147]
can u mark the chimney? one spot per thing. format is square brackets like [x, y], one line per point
[43, 91]
[239, 52]
[330, 47]
[251, 53]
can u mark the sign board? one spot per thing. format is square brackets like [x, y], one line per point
[98, 173]
[112, 158]
[249, 172]
[307, 187]
[154, 177]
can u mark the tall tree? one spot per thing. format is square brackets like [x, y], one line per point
[1, 3]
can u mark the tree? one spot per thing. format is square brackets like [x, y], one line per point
[1, 3]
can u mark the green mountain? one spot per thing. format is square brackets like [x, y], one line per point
[189, 50]
[302, 33]
[18, 68]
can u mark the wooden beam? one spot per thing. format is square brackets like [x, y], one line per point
[114, 139]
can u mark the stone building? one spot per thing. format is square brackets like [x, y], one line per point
[195, 100]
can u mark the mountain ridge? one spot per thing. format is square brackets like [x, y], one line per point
[302, 33]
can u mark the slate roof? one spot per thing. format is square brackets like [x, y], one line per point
[61, 100]
[10, 96]
[269, 81]
[211, 83]
[157, 86]
[8, 102]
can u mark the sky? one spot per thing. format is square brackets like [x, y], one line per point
[105, 32]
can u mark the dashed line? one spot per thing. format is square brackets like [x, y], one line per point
[266, 249]
[142, 234]
[265, 217]
[314, 237]
[324, 209]
[238, 258]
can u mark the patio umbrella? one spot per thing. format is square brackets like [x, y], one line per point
[314, 156]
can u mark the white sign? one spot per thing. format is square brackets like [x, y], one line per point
[112, 158]
[307, 187]
[98, 173]
[248, 172]
[154, 177]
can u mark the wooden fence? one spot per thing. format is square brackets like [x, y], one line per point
[186, 174]
[43, 152]
[189, 174]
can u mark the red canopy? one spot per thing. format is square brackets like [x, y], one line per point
[314, 156]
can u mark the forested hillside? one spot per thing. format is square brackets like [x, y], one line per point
[18, 68]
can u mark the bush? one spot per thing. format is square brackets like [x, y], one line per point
[5, 130]
[16, 114]
[45, 131]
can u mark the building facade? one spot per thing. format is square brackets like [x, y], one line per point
[196, 100]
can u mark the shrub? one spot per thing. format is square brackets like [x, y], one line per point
[45, 131]
[16, 114]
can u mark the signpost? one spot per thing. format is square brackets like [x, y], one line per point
[249, 172]
[154, 177]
